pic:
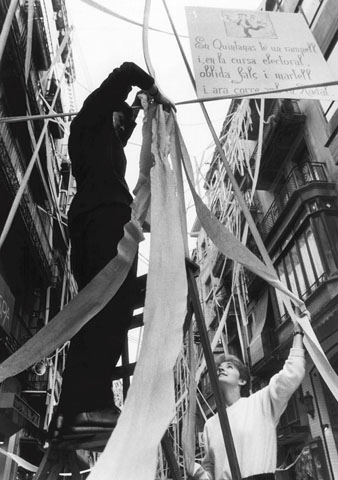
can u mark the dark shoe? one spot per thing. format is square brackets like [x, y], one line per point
[83, 423]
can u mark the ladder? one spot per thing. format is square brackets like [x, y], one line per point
[61, 456]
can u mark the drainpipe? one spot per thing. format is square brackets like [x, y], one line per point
[321, 426]
[50, 243]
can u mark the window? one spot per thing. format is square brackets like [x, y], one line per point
[330, 106]
[310, 9]
[304, 252]
[301, 267]
[327, 228]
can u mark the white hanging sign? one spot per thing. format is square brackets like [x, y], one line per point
[240, 52]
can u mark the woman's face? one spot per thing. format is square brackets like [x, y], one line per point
[228, 374]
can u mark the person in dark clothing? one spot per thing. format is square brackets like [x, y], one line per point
[98, 213]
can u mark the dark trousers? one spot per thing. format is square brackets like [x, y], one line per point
[96, 348]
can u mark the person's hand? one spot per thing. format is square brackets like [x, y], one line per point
[167, 104]
[302, 312]
[161, 99]
[297, 329]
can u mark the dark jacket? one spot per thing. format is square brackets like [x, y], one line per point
[96, 153]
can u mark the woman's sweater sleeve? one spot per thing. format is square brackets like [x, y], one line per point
[285, 383]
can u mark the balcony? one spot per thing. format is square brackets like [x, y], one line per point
[299, 177]
[284, 123]
[15, 414]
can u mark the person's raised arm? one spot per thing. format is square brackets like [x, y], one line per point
[160, 98]
[285, 383]
[114, 90]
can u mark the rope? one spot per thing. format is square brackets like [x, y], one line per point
[257, 94]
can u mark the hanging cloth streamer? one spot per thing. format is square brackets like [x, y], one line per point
[132, 450]
[21, 462]
[189, 429]
[231, 247]
[89, 301]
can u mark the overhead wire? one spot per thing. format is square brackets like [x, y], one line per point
[125, 19]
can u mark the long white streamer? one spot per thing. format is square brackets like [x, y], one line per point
[131, 452]
[231, 247]
[20, 461]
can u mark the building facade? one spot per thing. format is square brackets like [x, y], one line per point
[37, 71]
[296, 212]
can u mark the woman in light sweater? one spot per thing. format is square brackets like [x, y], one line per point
[253, 420]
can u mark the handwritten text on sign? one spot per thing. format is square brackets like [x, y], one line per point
[244, 52]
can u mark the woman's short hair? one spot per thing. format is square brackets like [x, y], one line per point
[244, 372]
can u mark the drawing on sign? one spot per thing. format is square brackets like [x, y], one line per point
[240, 25]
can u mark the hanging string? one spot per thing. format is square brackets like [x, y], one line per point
[257, 94]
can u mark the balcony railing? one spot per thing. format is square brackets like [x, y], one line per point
[298, 177]
[316, 284]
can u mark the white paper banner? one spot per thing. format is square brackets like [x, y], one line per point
[244, 52]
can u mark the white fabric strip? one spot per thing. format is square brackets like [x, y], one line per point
[131, 452]
[20, 461]
[95, 295]
[80, 310]
[232, 248]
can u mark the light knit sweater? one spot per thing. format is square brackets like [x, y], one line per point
[253, 422]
